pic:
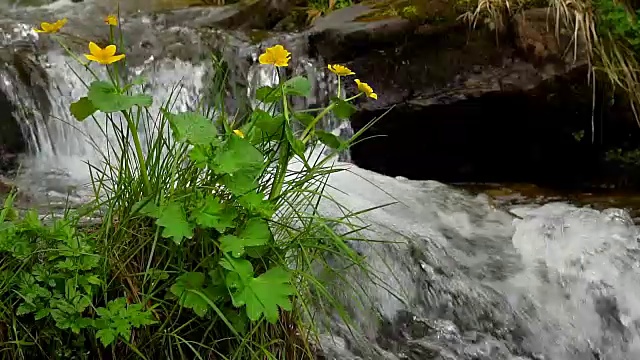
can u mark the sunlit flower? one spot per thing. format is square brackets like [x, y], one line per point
[49, 28]
[340, 70]
[103, 56]
[366, 89]
[111, 20]
[275, 55]
[239, 133]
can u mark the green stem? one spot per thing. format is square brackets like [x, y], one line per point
[138, 146]
[283, 160]
[306, 135]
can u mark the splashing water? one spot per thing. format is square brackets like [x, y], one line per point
[63, 147]
[465, 281]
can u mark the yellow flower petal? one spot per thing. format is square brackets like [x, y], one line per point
[266, 59]
[112, 59]
[340, 70]
[91, 58]
[94, 49]
[276, 55]
[104, 56]
[111, 20]
[366, 89]
[109, 50]
[239, 133]
[46, 27]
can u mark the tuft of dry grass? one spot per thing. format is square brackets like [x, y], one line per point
[609, 58]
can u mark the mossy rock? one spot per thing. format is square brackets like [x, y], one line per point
[421, 11]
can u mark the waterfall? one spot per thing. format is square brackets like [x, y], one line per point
[62, 147]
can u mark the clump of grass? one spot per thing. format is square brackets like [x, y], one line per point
[209, 242]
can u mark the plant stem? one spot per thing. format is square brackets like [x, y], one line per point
[138, 146]
[283, 156]
[306, 135]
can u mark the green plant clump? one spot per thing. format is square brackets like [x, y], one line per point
[207, 238]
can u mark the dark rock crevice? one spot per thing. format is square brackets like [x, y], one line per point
[542, 136]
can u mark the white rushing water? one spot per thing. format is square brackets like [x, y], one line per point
[561, 283]
[62, 147]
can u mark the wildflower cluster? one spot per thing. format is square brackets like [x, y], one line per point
[278, 56]
[207, 240]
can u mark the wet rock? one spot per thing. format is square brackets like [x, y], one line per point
[254, 14]
[339, 36]
[441, 62]
[23, 97]
[540, 43]
[515, 136]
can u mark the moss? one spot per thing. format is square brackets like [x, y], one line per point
[432, 11]
[257, 36]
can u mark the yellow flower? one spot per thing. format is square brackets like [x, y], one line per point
[239, 133]
[366, 89]
[111, 20]
[49, 28]
[103, 56]
[340, 70]
[275, 55]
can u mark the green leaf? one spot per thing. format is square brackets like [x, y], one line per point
[257, 204]
[107, 99]
[241, 269]
[107, 336]
[268, 94]
[297, 85]
[270, 125]
[212, 213]
[193, 128]
[189, 287]
[342, 109]
[262, 295]
[199, 156]
[146, 206]
[25, 308]
[328, 139]
[82, 108]
[174, 220]
[237, 154]
[255, 233]
[304, 118]
[42, 313]
[237, 319]
[241, 182]
[31, 221]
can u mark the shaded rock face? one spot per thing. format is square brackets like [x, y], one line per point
[458, 108]
[550, 136]
[23, 88]
[497, 137]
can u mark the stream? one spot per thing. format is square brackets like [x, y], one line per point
[459, 274]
